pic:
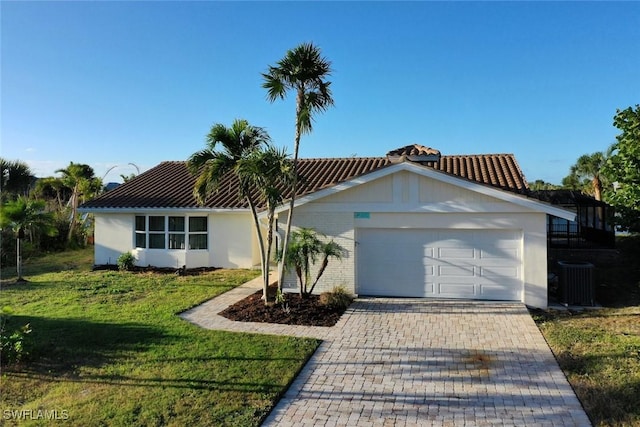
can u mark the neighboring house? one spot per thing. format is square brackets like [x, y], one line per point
[413, 223]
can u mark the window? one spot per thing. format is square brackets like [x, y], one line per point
[198, 232]
[160, 232]
[156, 232]
[176, 232]
[141, 232]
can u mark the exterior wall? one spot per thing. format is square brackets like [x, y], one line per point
[231, 242]
[405, 200]
[113, 237]
[339, 227]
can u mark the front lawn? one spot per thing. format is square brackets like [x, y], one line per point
[599, 350]
[107, 348]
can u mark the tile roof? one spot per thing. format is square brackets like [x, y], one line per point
[414, 150]
[170, 185]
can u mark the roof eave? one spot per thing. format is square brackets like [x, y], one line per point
[142, 209]
[429, 172]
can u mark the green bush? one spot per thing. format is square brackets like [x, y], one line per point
[12, 341]
[126, 261]
[338, 298]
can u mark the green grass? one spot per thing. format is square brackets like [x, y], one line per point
[599, 353]
[599, 350]
[108, 348]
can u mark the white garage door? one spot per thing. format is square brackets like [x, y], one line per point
[470, 264]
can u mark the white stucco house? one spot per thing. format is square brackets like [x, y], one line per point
[414, 224]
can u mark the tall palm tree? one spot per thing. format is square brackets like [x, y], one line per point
[228, 150]
[52, 188]
[24, 217]
[225, 147]
[304, 71]
[589, 167]
[81, 180]
[267, 171]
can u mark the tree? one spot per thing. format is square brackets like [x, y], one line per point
[304, 249]
[267, 171]
[623, 168]
[304, 71]
[81, 180]
[586, 175]
[24, 217]
[16, 179]
[239, 150]
[52, 188]
[539, 185]
[127, 178]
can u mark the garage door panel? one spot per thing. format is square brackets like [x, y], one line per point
[456, 271]
[500, 272]
[457, 290]
[457, 253]
[470, 264]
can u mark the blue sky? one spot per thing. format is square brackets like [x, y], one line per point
[113, 83]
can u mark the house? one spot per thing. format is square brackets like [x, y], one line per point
[414, 223]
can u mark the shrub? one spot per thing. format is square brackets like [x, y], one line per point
[338, 298]
[12, 342]
[126, 261]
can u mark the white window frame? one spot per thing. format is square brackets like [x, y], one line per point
[186, 232]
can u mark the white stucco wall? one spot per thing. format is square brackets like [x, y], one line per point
[405, 200]
[231, 242]
[113, 237]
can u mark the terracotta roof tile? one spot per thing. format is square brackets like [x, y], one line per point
[170, 185]
[414, 150]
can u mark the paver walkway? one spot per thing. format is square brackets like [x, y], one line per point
[417, 362]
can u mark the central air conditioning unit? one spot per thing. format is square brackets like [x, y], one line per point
[577, 283]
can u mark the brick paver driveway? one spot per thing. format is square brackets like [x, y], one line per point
[428, 362]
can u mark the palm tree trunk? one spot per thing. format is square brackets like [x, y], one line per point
[597, 188]
[74, 208]
[323, 267]
[264, 266]
[19, 260]
[294, 187]
[267, 256]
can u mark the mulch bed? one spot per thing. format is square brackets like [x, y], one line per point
[301, 311]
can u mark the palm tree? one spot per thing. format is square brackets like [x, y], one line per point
[304, 248]
[237, 144]
[24, 217]
[303, 70]
[52, 188]
[329, 250]
[81, 180]
[16, 178]
[267, 171]
[589, 168]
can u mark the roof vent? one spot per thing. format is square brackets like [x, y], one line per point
[414, 153]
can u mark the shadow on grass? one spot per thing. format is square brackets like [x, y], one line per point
[58, 346]
[181, 383]
[606, 402]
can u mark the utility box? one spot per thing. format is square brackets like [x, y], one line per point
[577, 283]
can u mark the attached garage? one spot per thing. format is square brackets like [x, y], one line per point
[411, 231]
[469, 264]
